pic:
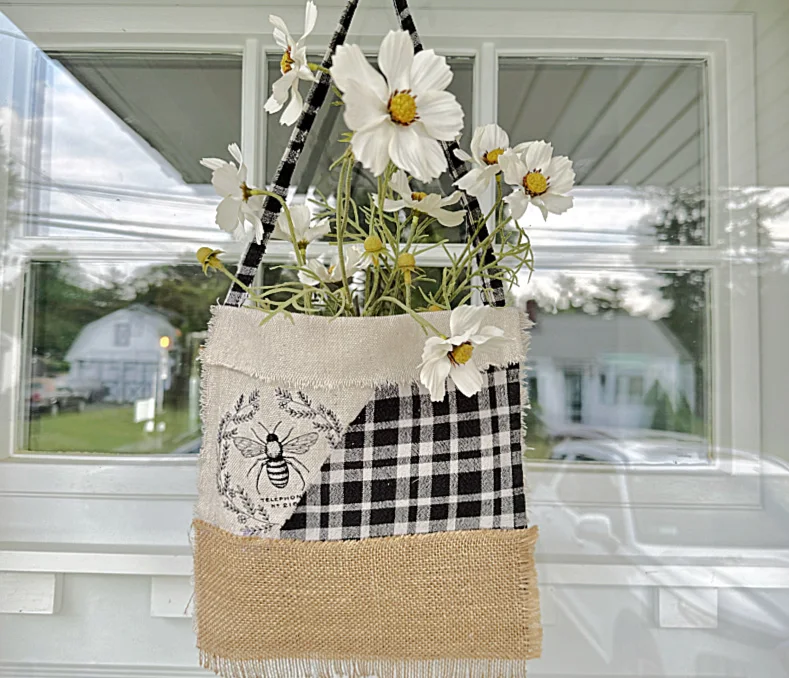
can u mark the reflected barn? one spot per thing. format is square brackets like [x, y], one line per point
[125, 354]
[113, 357]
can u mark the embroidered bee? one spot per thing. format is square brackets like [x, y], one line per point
[275, 455]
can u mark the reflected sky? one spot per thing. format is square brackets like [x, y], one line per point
[84, 171]
[98, 177]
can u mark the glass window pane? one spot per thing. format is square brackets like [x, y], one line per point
[323, 146]
[619, 366]
[635, 130]
[111, 366]
[108, 156]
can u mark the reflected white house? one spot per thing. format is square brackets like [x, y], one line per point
[602, 370]
[124, 352]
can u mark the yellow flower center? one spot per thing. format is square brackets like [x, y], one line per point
[492, 157]
[373, 244]
[286, 64]
[434, 307]
[418, 195]
[406, 262]
[402, 107]
[460, 355]
[209, 258]
[535, 183]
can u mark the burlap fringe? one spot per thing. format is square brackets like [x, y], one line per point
[380, 668]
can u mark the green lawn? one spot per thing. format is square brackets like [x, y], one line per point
[108, 429]
[538, 448]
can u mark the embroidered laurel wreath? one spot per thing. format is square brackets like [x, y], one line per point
[361, 500]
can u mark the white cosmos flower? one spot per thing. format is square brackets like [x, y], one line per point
[354, 261]
[293, 67]
[487, 145]
[428, 203]
[538, 178]
[403, 114]
[302, 220]
[459, 356]
[238, 211]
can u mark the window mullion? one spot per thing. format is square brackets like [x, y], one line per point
[486, 104]
[253, 128]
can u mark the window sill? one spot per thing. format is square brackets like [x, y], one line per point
[177, 562]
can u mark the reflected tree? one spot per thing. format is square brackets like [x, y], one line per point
[10, 190]
[66, 299]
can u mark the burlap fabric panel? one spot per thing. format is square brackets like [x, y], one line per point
[433, 606]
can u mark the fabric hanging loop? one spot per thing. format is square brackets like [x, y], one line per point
[493, 289]
[253, 255]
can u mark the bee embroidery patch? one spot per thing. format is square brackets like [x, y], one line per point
[276, 456]
[262, 471]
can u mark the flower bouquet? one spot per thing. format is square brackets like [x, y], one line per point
[362, 420]
[397, 119]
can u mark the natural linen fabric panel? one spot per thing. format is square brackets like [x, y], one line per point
[305, 381]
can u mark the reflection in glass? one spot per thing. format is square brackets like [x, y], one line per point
[312, 176]
[102, 153]
[112, 360]
[618, 366]
[635, 130]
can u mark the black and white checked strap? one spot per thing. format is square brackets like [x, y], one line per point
[493, 288]
[253, 255]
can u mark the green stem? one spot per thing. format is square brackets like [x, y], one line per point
[235, 280]
[343, 193]
[414, 224]
[376, 276]
[299, 255]
[318, 67]
[499, 200]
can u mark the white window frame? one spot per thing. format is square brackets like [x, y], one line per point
[142, 491]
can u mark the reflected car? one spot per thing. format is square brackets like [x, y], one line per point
[91, 391]
[47, 397]
[630, 526]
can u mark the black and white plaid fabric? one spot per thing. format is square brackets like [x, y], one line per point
[409, 466]
[249, 263]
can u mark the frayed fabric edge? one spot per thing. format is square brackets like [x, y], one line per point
[313, 352]
[526, 326]
[351, 668]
